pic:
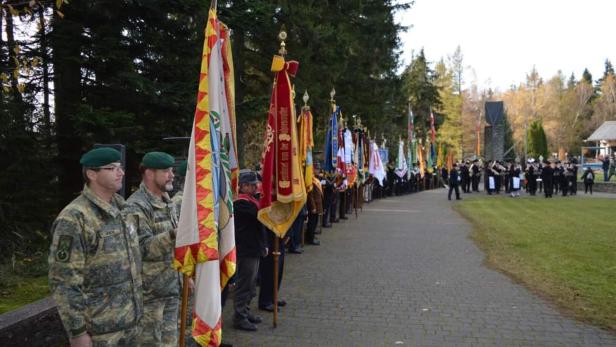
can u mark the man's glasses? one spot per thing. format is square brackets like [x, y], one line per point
[115, 168]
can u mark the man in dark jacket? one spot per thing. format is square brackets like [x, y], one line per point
[454, 179]
[250, 243]
[547, 176]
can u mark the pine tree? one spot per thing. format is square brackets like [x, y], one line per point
[423, 94]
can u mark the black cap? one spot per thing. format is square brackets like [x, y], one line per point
[248, 177]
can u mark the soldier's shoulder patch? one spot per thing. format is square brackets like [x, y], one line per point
[63, 252]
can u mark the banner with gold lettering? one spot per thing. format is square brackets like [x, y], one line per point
[284, 191]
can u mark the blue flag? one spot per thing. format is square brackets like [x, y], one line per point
[331, 142]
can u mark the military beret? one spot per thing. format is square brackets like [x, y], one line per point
[157, 160]
[100, 157]
[181, 169]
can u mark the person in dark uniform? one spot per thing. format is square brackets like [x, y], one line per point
[556, 177]
[589, 179]
[454, 181]
[564, 181]
[475, 175]
[328, 196]
[497, 176]
[531, 178]
[547, 176]
[465, 175]
[572, 172]
[250, 245]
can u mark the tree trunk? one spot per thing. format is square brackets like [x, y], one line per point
[11, 45]
[65, 41]
[240, 88]
[45, 65]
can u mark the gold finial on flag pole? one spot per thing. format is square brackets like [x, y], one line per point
[282, 36]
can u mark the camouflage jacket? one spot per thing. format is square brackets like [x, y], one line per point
[95, 266]
[156, 218]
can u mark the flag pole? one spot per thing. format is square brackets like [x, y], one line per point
[184, 309]
[276, 254]
[282, 36]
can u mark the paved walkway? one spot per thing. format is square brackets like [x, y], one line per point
[406, 273]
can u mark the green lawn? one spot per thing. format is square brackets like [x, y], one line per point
[561, 248]
[23, 291]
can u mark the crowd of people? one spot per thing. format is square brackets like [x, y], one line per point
[110, 260]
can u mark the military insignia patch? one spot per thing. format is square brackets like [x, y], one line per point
[63, 253]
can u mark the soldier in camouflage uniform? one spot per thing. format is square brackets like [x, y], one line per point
[94, 259]
[158, 221]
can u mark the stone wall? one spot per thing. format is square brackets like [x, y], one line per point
[34, 325]
[599, 187]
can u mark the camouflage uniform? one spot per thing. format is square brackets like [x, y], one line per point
[95, 270]
[161, 287]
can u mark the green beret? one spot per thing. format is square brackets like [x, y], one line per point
[181, 169]
[157, 160]
[100, 157]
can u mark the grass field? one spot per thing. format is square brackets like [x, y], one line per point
[23, 292]
[564, 249]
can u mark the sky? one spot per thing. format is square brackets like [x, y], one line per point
[501, 40]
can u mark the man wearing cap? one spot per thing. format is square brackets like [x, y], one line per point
[94, 259]
[157, 226]
[250, 243]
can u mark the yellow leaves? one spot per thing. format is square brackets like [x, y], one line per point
[58, 4]
[21, 88]
[13, 11]
[60, 14]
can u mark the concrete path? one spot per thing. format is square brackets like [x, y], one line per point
[406, 274]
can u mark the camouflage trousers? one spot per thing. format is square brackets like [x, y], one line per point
[159, 325]
[122, 338]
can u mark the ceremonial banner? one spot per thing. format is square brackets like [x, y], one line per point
[284, 189]
[376, 168]
[411, 157]
[439, 156]
[306, 143]
[205, 243]
[422, 166]
[384, 154]
[331, 142]
[340, 155]
[401, 166]
[432, 129]
[429, 162]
